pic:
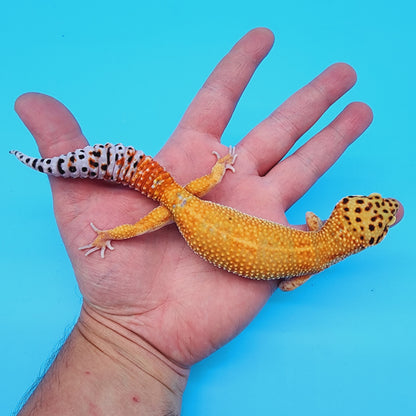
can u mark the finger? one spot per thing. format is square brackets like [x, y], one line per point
[211, 109]
[54, 128]
[52, 125]
[300, 171]
[399, 214]
[269, 142]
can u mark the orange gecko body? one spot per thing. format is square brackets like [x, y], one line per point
[239, 243]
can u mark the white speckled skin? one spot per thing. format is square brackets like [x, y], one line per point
[110, 162]
[237, 242]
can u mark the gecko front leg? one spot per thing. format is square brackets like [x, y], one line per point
[160, 216]
[313, 223]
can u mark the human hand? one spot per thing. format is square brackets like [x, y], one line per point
[154, 285]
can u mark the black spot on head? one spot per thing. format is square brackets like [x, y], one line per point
[371, 241]
[380, 225]
[357, 219]
[360, 201]
[371, 227]
[377, 204]
[358, 209]
[345, 200]
[346, 209]
[347, 217]
[373, 219]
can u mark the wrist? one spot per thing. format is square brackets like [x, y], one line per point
[105, 369]
[150, 379]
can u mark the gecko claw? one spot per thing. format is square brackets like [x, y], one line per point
[100, 243]
[229, 158]
[97, 230]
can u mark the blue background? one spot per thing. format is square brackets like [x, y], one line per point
[342, 344]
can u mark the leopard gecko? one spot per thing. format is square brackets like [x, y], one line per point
[239, 243]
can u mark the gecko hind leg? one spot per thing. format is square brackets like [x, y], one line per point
[314, 223]
[201, 186]
[157, 218]
[160, 216]
[154, 220]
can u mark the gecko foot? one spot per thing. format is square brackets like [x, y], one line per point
[101, 242]
[293, 283]
[313, 222]
[228, 159]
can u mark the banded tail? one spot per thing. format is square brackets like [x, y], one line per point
[110, 162]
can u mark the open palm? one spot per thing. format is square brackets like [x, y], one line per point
[154, 285]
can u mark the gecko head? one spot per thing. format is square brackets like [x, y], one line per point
[368, 218]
